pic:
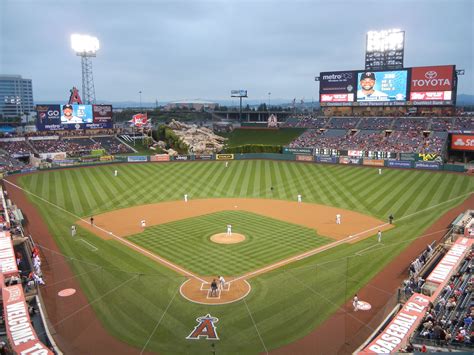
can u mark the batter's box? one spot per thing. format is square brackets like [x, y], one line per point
[207, 287]
[208, 296]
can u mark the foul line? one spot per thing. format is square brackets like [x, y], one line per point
[89, 244]
[255, 325]
[159, 322]
[124, 241]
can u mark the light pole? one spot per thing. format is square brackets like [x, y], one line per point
[269, 101]
[86, 47]
[140, 92]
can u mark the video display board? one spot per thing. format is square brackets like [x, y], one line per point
[382, 86]
[73, 117]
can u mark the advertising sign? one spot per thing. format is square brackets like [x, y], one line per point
[182, 157]
[346, 160]
[137, 159]
[238, 93]
[373, 162]
[336, 98]
[224, 156]
[462, 142]
[337, 82]
[382, 86]
[203, 157]
[160, 157]
[322, 159]
[301, 151]
[304, 157]
[73, 117]
[399, 163]
[427, 165]
[430, 157]
[430, 95]
[355, 153]
[436, 78]
[7, 255]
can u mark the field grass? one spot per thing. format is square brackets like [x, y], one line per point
[283, 136]
[284, 304]
[267, 240]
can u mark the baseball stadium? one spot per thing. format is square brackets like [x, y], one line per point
[346, 229]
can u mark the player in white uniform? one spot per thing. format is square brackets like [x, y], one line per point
[229, 229]
[299, 198]
[115, 172]
[226, 164]
[380, 171]
[73, 231]
[186, 198]
[379, 236]
[338, 219]
[221, 282]
[355, 303]
[143, 223]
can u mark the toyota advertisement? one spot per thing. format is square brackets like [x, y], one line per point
[432, 84]
[462, 142]
[73, 117]
[343, 82]
[384, 86]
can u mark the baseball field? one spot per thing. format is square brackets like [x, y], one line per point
[130, 277]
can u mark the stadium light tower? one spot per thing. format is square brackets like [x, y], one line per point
[385, 49]
[86, 47]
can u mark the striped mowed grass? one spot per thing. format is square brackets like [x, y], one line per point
[147, 311]
[188, 244]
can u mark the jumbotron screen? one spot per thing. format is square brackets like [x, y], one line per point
[73, 117]
[381, 86]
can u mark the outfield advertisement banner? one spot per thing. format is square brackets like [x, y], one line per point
[21, 334]
[182, 157]
[299, 151]
[324, 159]
[160, 157]
[373, 162]
[304, 157]
[462, 142]
[346, 160]
[203, 157]
[436, 78]
[399, 164]
[427, 165]
[224, 156]
[137, 159]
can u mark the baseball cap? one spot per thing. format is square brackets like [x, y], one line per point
[367, 75]
[67, 106]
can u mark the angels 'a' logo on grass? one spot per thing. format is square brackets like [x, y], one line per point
[205, 328]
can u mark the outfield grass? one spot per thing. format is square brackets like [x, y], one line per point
[284, 304]
[267, 241]
[282, 136]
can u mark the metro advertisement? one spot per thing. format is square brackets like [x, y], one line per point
[73, 117]
[336, 98]
[382, 86]
[337, 82]
[462, 142]
[435, 78]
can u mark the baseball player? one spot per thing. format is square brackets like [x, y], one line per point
[338, 219]
[115, 172]
[221, 282]
[226, 164]
[355, 303]
[143, 223]
[379, 236]
[186, 198]
[73, 231]
[229, 229]
[299, 198]
[380, 171]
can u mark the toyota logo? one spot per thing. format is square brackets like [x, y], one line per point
[431, 74]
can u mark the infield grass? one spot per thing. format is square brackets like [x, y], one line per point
[137, 299]
[267, 240]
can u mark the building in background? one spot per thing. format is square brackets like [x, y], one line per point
[16, 96]
[197, 105]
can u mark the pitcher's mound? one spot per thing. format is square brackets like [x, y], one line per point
[223, 238]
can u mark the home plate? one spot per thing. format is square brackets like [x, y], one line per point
[363, 306]
[66, 292]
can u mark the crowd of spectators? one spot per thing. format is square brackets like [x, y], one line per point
[7, 163]
[343, 122]
[449, 319]
[305, 121]
[398, 141]
[16, 147]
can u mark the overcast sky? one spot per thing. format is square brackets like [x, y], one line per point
[180, 49]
